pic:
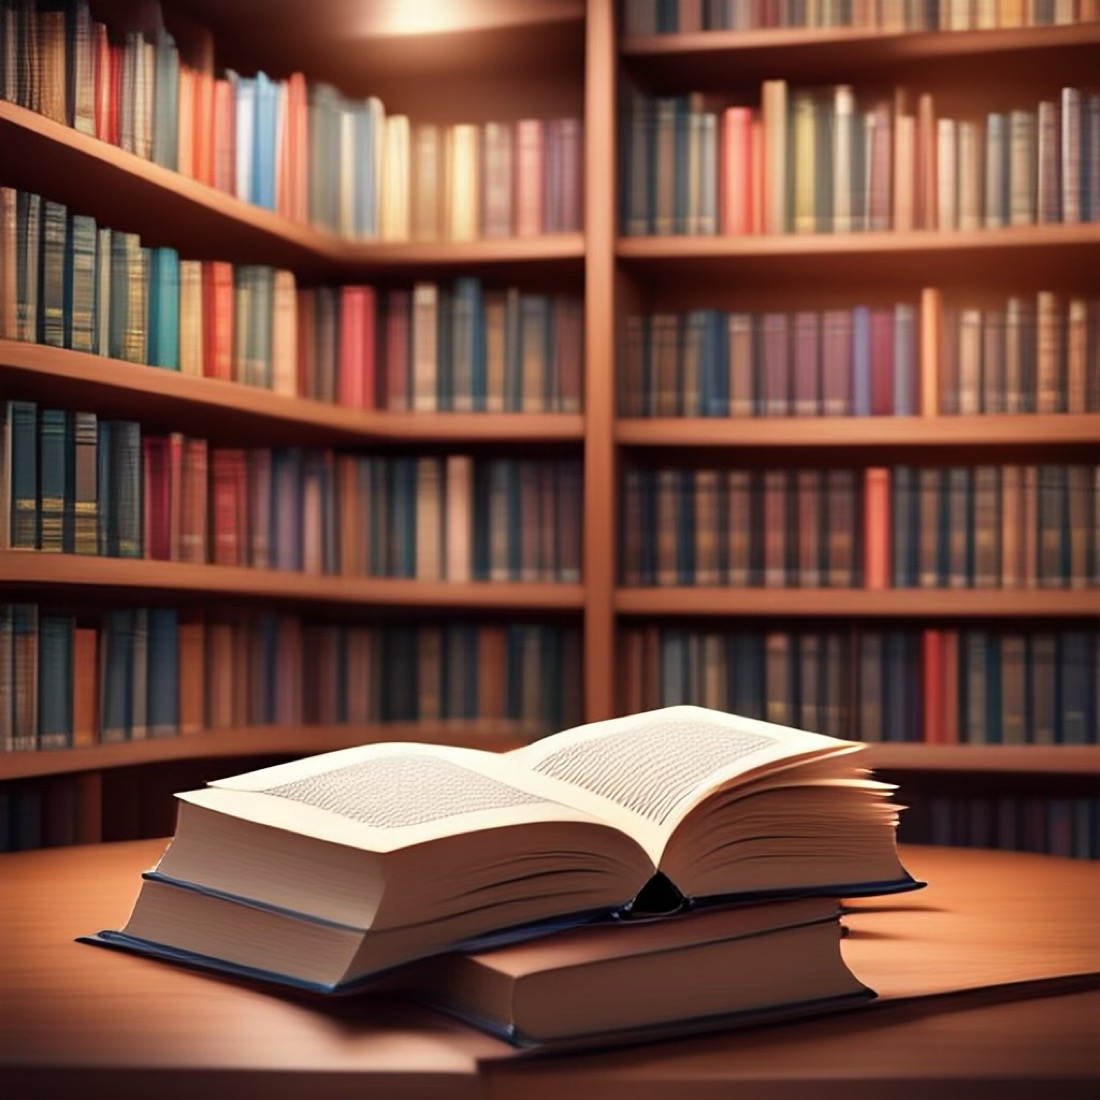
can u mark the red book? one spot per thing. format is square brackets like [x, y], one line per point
[225, 167]
[185, 131]
[932, 682]
[736, 170]
[229, 509]
[175, 496]
[356, 370]
[202, 139]
[217, 315]
[876, 527]
[114, 94]
[882, 362]
[530, 166]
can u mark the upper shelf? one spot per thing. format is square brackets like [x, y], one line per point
[1051, 256]
[743, 58]
[126, 192]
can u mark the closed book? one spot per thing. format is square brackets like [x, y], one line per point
[55, 680]
[590, 986]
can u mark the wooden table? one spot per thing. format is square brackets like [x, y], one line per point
[989, 983]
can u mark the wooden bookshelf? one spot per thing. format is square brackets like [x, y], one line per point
[228, 412]
[853, 603]
[517, 57]
[849, 433]
[846, 53]
[1050, 254]
[126, 192]
[109, 578]
[1080, 760]
[494, 736]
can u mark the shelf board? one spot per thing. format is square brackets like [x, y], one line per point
[839, 53]
[1047, 253]
[498, 736]
[925, 603]
[493, 735]
[126, 192]
[844, 432]
[1024, 759]
[226, 412]
[66, 574]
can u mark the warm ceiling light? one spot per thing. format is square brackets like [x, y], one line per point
[422, 16]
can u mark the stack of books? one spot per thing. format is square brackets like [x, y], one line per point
[669, 871]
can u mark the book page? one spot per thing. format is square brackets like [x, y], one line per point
[386, 796]
[645, 772]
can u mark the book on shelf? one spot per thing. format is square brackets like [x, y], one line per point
[603, 985]
[327, 871]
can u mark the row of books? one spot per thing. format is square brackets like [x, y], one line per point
[302, 149]
[136, 673]
[948, 527]
[73, 483]
[831, 161]
[1038, 354]
[933, 685]
[39, 814]
[983, 526]
[436, 347]
[708, 362]
[1057, 825]
[644, 17]
[66, 282]
[1034, 354]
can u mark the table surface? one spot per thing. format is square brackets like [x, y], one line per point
[989, 983]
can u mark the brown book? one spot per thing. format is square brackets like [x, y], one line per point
[85, 686]
[876, 533]
[624, 982]
[192, 674]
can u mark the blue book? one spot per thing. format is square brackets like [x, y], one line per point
[163, 672]
[1076, 685]
[265, 139]
[714, 364]
[286, 507]
[22, 442]
[163, 331]
[116, 681]
[56, 453]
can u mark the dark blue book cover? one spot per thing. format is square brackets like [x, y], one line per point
[22, 429]
[163, 672]
[55, 680]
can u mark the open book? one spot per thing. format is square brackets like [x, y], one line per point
[385, 853]
[600, 985]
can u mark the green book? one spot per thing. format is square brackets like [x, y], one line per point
[85, 508]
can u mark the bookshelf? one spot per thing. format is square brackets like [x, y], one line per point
[545, 59]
